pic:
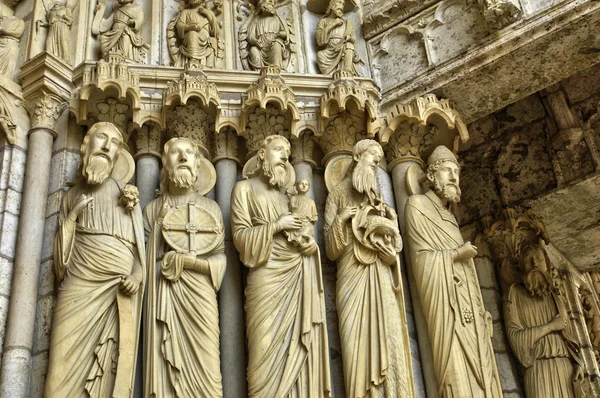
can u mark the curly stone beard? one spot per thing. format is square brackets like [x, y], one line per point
[97, 168]
[276, 173]
[538, 283]
[364, 179]
[446, 192]
[182, 176]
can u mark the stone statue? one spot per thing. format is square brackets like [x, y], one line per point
[11, 30]
[187, 263]
[335, 38]
[59, 23]
[99, 259]
[288, 351]
[538, 329]
[268, 38]
[361, 234]
[305, 208]
[120, 33]
[194, 36]
[459, 327]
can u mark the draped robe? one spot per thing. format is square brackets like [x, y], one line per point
[548, 363]
[197, 45]
[451, 299]
[288, 354]
[91, 257]
[370, 307]
[267, 48]
[334, 45]
[11, 30]
[182, 316]
[59, 30]
[122, 38]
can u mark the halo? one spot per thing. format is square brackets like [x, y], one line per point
[124, 167]
[415, 180]
[207, 176]
[250, 166]
[320, 6]
[336, 170]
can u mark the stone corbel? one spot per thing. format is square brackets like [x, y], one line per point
[270, 88]
[110, 73]
[499, 14]
[345, 87]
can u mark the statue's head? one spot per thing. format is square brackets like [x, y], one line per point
[123, 2]
[273, 159]
[99, 152]
[335, 9]
[56, 5]
[537, 270]
[366, 155]
[443, 173]
[181, 160]
[194, 3]
[302, 186]
[267, 6]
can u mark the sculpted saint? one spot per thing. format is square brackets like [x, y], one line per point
[305, 208]
[361, 234]
[99, 260]
[446, 280]
[59, 28]
[335, 38]
[288, 353]
[11, 30]
[539, 332]
[124, 38]
[268, 38]
[198, 31]
[182, 333]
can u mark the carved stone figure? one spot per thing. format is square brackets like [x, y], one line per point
[304, 208]
[11, 30]
[361, 234]
[539, 331]
[195, 36]
[335, 38]
[59, 23]
[120, 33]
[268, 38]
[99, 260]
[288, 351]
[186, 267]
[459, 327]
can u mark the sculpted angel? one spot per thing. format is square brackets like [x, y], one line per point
[99, 259]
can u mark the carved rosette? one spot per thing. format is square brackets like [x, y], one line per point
[44, 110]
[226, 145]
[147, 141]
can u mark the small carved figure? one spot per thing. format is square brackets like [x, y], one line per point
[120, 33]
[11, 30]
[361, 234]
[459, 327]
[99, 259]
[268, 38]
[59, 23]
[186, 267]
[335, 38]
[195, 33]
[288, 352]
[304, 207]
[539, 331]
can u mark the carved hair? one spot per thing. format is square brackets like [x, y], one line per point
[261, 152]
[164, 174]
[434, 167]
[332, 4]
[525, 253]
[90, 133]
[364, 145]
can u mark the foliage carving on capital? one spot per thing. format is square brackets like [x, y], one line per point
[147, 140]
[44, 109]
[226, 145]
[194, 122]
[303, 149]
[111, 110]
[409, 141]
[265, 122]
[341, 134]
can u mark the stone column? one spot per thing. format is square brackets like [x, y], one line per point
[44, 107]
[302, 160]
[402, 157]
[231, 309]
[147, 162]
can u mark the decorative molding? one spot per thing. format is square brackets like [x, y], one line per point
[190, 85]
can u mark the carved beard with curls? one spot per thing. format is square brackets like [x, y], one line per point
[182, 176]
[276, 173]
[444, 191]
[96, 168]
[364, 179]
[538, 283]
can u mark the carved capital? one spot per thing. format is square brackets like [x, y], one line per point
[192, 121]
[408, 143]
[340, 135]
[265, 122]
[499, 14]
[226, 145]
[44, 110]
[147, 141]
[302, 150]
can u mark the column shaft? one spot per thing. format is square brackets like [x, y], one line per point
[231, 309]
[147, 178]
[16, 362]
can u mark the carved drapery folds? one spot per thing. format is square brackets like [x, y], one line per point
[11, 30]
[59, 20]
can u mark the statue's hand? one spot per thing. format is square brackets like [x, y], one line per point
[130, 284]
[391, 213]
[577, 372]
[386, 253]
[287, 222]
[466, 252]
[80, 204]
[558, 324]
[347, 213]
[309, 247]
